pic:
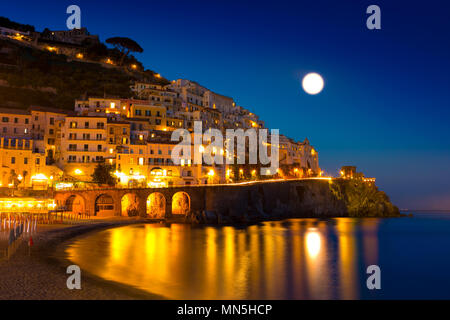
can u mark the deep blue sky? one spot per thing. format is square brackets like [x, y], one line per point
[385, 106]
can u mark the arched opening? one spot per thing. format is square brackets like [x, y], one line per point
[130, 205]
[156, 205]
[104, 206]
[181, 203]
[75, 204]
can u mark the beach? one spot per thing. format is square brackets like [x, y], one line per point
[39, 273]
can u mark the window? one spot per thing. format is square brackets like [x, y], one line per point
[26, 121]
[100, 125]
[73, 124]
[25, 160]
[86, 147]
[38, 161]
[159, 152]
[15, 130]
[13, 160]
[99, 136]
[124, 131]
[16, 120]
[36, 118]
[111, 130]
[148, 113]
[51, 131]
[5, 119]
[137, 112]
[86, 125]
[99, 148]
[52, 121]
[141, 161]
[72, 147]
[4, 129]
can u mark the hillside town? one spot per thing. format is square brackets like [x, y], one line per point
[44, 147]
[47, 147]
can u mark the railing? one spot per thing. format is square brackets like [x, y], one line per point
[83, 150]
[87, 139]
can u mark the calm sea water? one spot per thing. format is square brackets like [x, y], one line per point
[290, 259]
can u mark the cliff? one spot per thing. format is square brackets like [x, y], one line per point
[293, 199]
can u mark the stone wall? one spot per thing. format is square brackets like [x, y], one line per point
[249, 202]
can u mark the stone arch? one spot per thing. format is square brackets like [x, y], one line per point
[75, 204]
[129, 205]
[181, 203]
[104, 205]
[156, 205]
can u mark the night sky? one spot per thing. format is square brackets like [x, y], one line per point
[386, 103]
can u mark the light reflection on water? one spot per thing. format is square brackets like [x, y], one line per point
[291, 259]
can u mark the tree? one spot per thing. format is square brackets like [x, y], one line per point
[125, 46]
[103, 174]
[14, 178]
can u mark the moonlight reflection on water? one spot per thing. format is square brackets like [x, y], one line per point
[290, 259]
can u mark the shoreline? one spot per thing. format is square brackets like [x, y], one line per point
[41, 273]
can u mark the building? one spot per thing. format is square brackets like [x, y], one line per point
[134, 137]
[83, 145]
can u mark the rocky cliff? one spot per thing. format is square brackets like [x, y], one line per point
[293, 199]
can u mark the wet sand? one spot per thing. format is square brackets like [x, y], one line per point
[40, 273]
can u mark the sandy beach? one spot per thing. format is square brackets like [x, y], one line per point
[40, 273]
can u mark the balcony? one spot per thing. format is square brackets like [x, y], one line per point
[86, 139]
[84, 150]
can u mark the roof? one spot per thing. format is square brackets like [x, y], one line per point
[14, 111]
[48, 109]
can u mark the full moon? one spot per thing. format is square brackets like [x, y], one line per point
[312, 83]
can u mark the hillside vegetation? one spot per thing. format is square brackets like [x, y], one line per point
[29, 76]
